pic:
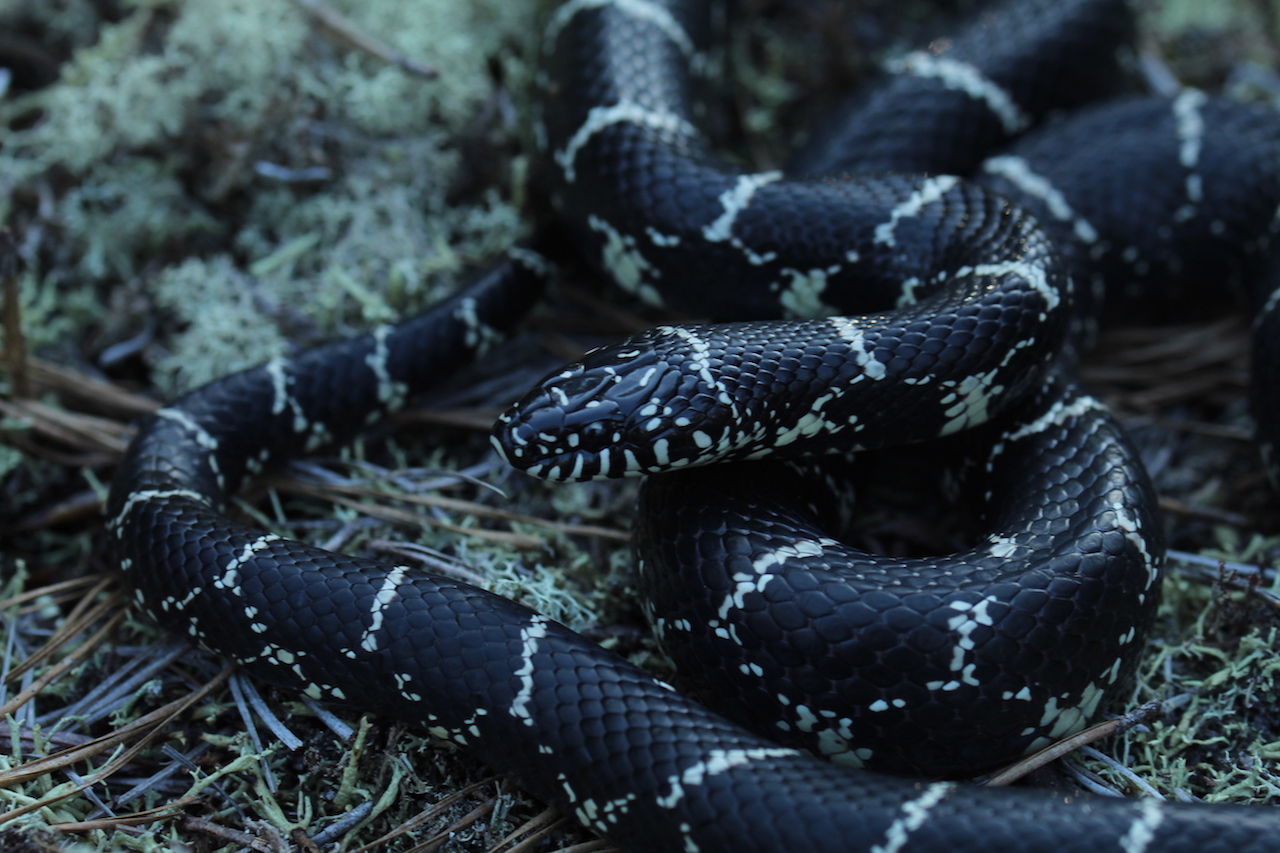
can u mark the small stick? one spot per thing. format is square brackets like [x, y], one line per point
[15, 344]
[1108, 727]
[336, 23]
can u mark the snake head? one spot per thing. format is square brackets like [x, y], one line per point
[630, 408]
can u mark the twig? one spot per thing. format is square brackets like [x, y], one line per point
[1134, 779]
[96, 392]
[338, 25]
[1108, 727]
[15, 344]
[234, 836]
[427, 814]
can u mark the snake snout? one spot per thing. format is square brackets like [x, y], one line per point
[563, 428]
[593, 419]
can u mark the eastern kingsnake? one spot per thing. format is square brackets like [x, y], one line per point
[981, 305]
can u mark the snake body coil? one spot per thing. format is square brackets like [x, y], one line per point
[1030, 629]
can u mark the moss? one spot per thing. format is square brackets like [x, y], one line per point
[51, 316]
[238, 334]
[149, 80]
[1181, 15]
[71, 23]
[128, 212]
[145, 157]
[1214, 666]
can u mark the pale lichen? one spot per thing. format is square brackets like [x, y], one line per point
[240, 333]
[163, 122]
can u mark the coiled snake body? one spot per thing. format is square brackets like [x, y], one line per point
[945, 664]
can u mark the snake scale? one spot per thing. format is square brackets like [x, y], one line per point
[893, 303]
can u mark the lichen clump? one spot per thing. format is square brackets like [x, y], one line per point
[255, 177]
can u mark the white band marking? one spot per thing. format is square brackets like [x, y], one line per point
[963, 77]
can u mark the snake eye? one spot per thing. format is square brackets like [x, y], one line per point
[593, 431]
[594, 428]
[583, 386]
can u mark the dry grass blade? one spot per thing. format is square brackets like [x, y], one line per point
[1148, 368]
[442, 837]
[532, 831]
[109, 607]
[1227, 431]
[335, 23]
[1193, 387]
[71, 588]
[540, 827]
[65, 665]
[146, 728]
[84, 614]
[82, 506]
[15, 344]
[222, 833]
[141, 818]
[84, 432]
[293, 485]
[88, 432]
[1182, 508]
[427, 815]
[98, 394]
[1176, 348]
[401, 516]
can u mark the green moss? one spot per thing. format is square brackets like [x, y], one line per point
[125, 214]
[150, 79]
[231, 330]
[161, 122]
[66, 22]
[51, 315]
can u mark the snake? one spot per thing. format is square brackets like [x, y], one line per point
[886, 292]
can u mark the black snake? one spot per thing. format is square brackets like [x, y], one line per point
[971, 302]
